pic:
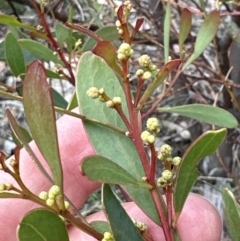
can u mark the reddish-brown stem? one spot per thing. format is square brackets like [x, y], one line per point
[134, 114]
[139, 89]
[123, 116]
[164, 221]
[153, 164]
[84, 30]
[54, 43]
[168, 193]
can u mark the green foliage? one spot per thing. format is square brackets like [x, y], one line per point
[42, 225]
[14, 55]
[39, 50]
[122, 152]
[187, 173]
[205, 35]
[103, 170]
[209, 114]
[121, 231]
[232, 211]
[111, 119]
[38, 105]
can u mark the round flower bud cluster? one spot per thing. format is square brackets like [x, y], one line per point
[153, 127]
[96, 93]
[165, 153]
[52, 197]
[142, 227]
[107, 236]
[176, 160]
[113, 102]
[145, 62]
[119, 27]
[93, 92]
[124, 52]
[165, 179]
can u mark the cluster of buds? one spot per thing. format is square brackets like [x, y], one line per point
[148, 67]
[5, 187]
[127, 7]
[142, 227]
[153, 127]
[113, 102]
[96, 93]
[124, 52]
[100, 94]
[107, 236]
[53, 198]
[165, 155]
[119, 27]
[165, 179]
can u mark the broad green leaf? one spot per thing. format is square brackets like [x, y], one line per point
[160, 77]
[185, 27]
[121, 224]
[187, 173]
[14, 55]
[42, 225]
[101, 226]
[101, 169]
[39, 110]
[210, 114]
[232, 214]
[40, 50]
[12, 21]
[167, 29]
[108, 33]
[62, 33]
[205, 35]
[107, 142]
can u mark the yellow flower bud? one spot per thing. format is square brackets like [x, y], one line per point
[43, 195]
[176, 160]
[147, 75]
[164, 152]
[144, 60]
[145, 135]
[161, 182]
[117, 100]
[139, 72]
[110, 104]
[152, 124]
[93, 92]
[50, 202]
[54, 190]
[167, 175]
